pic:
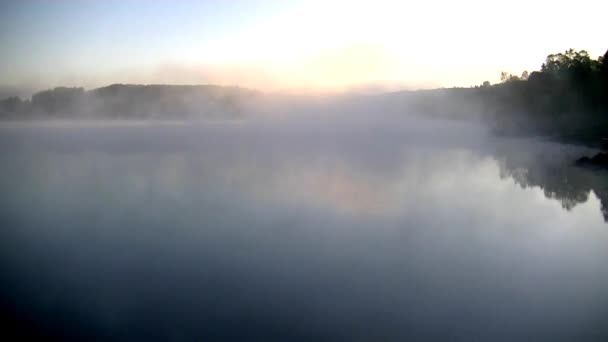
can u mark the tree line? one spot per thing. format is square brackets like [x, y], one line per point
[129, 101]
[566, 98]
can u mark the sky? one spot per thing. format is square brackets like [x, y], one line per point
[292, 45]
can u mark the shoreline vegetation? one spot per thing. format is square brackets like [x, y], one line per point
[566, 100]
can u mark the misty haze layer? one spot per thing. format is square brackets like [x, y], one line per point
[293, 230]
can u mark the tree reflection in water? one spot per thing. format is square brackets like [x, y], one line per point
[552, 167]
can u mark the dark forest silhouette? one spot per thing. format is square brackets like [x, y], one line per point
[567, 99]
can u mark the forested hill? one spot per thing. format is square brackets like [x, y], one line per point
[130, 101]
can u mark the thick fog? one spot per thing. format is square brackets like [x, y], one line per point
[293, 228]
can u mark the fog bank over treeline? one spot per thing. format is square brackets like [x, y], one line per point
[122, 101]
[567, 98]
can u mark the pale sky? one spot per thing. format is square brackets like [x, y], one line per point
[288, 45]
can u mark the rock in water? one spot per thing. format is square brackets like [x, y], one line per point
[600, 160]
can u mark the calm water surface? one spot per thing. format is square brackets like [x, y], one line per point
[295, 231]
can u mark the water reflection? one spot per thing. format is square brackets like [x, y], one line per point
[285, 231]
[551, 166]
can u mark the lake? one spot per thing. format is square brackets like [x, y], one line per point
[298, 230]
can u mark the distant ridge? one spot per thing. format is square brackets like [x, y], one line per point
[131, 101]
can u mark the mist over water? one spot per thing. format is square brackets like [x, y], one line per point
[303, 171]
[295, 229]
